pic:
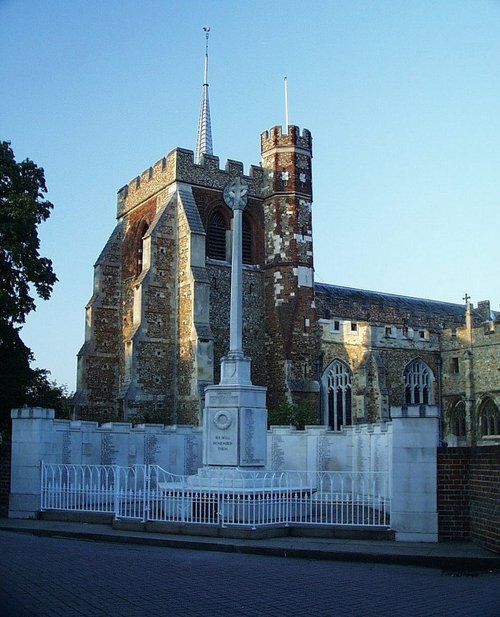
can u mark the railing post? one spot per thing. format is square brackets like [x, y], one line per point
[42, 496]
[146, 496]
[116, 507]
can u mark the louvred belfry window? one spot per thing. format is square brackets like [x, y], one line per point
[247, 240]
[216, 237]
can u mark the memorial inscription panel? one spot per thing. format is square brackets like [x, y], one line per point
[222, 436]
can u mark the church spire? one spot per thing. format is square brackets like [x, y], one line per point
[204, 141]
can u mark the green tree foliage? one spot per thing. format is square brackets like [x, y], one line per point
[43, 392]
[22, 208]
[299, 415]
[23, 273]
[15, 372]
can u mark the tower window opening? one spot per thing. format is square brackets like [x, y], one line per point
[247, 240]
[140, 248]
[216, 237]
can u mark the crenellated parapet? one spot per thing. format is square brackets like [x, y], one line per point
[294, 138]
[179, 166]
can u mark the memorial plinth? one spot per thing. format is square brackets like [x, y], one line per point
[235, 414]
[235, 425]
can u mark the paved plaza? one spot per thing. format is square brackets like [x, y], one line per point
[64, 577]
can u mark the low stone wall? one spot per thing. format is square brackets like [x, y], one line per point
[404, 448]
[37, 436]
[469, 495]
[5, 453]
[363, 447]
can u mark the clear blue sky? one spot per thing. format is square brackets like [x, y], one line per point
[402, 98]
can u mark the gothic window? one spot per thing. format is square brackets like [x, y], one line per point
[247, 240]
[216, 237]
[489, 418]
[339, 398]
[140, 248]
[457, 419]
[418, 383]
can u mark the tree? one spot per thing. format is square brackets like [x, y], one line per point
[22, 271]
[22, 208]
[15, 372]
[42, 392]
[298, 414]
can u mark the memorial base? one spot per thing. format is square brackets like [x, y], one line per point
[235, 419]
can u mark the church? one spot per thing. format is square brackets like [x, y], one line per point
[157, 324]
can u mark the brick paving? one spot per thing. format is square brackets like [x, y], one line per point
[42, 576]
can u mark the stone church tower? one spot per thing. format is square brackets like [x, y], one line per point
[291, 323]
[158, 320]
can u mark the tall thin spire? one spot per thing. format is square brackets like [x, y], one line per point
[204, 141]
[286, 105]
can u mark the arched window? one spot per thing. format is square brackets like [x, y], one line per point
[338, 384]
[247, 240]
[140, 248]
[489, 418]
[457, 419]
[216, 237]
[418, 383]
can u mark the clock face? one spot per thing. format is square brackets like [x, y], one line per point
[236, 194]
[229, 196]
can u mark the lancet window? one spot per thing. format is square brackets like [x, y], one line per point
[140, 248]
[457, 419]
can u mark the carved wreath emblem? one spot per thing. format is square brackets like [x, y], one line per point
[222, 421]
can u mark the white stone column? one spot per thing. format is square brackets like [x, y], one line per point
[235, 367]
[415, 438]
[236, 319]
[235, 414]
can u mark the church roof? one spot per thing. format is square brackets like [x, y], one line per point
[365, 305]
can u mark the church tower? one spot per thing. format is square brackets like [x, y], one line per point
[292, 336]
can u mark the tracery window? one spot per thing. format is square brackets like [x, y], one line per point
[339, 388]
[418, 383]
[489, 418]
[457, 419]
[216, 236]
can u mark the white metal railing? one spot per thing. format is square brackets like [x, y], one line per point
[218, 496]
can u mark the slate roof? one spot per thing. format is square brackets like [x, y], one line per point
[191, 209]
[378, 307]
